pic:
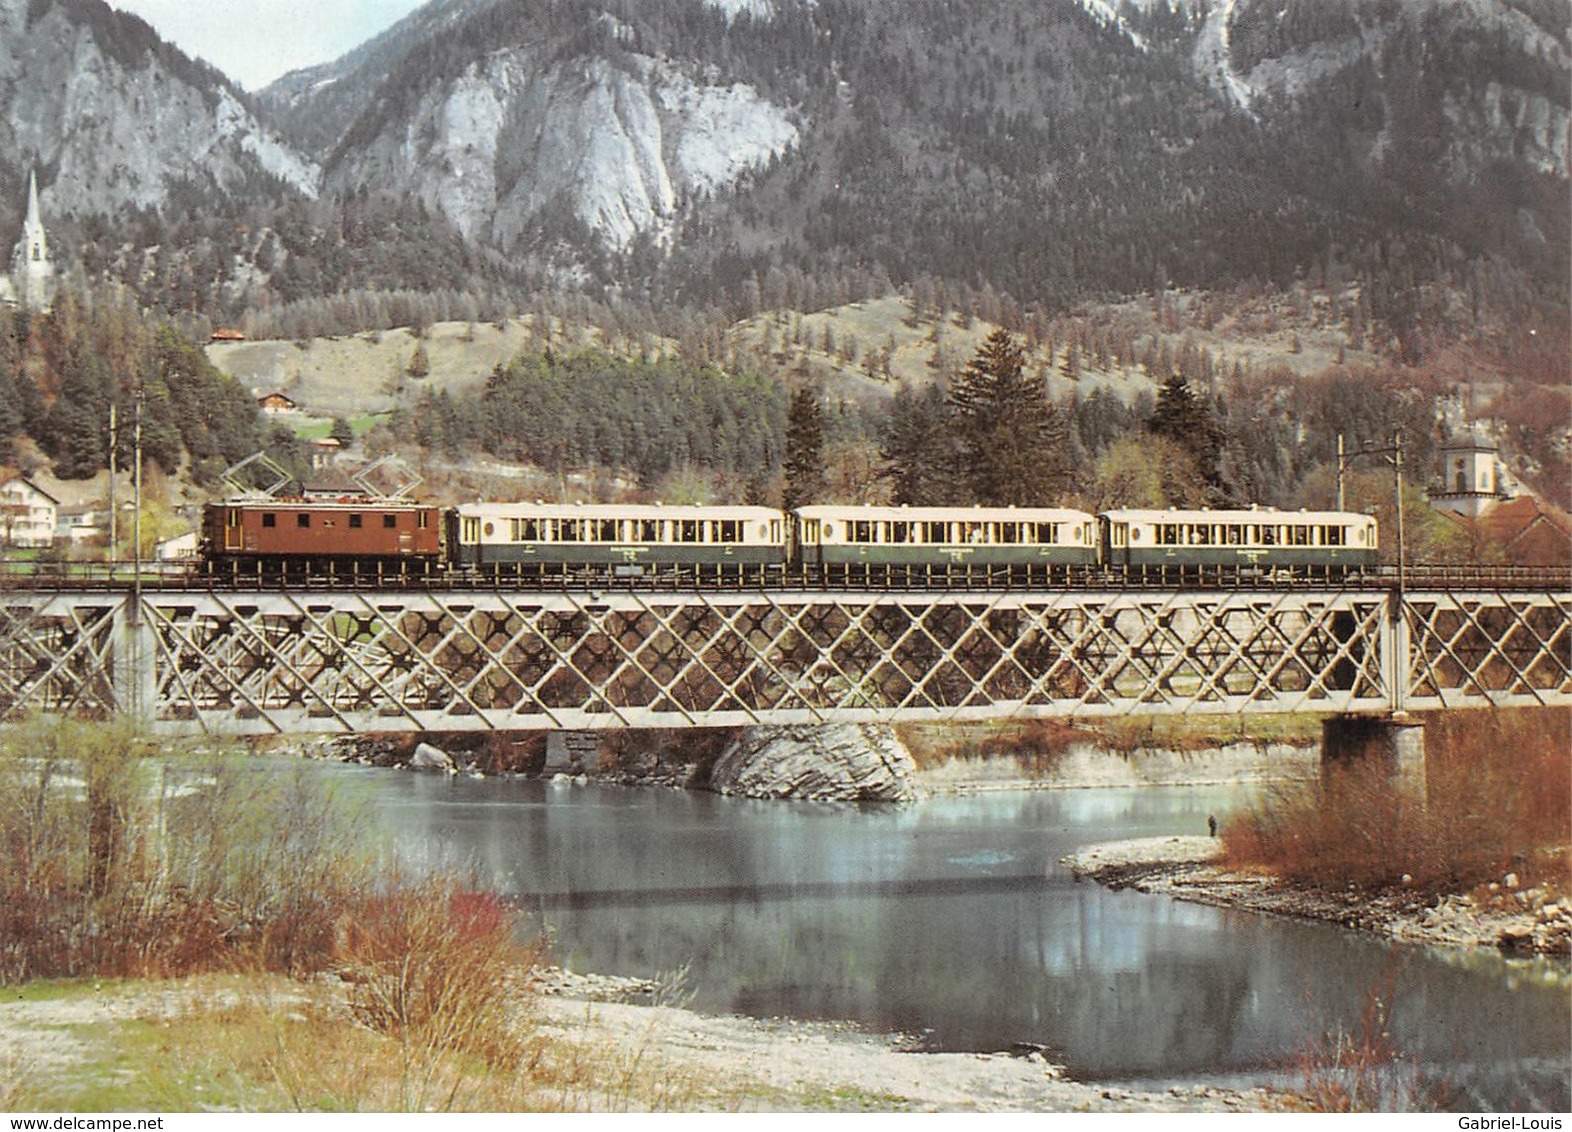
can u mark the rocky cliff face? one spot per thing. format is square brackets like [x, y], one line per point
[830, 763]
[621, 145]
[114, 117]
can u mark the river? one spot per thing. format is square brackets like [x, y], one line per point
[951, 920]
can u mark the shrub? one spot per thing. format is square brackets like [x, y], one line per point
[115, 862]
[434, 966]
[1498, 800]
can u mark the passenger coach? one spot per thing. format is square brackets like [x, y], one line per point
[1303, 543]
[631, 540]
[907, 540]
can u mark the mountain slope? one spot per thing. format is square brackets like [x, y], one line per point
[314, 107]
[565, 112]
[1054, 148]
[113, 117]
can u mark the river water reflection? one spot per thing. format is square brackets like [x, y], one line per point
[952, 920]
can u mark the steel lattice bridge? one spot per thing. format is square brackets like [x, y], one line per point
[346, 660]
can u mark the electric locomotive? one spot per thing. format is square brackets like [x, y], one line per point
[346, 536]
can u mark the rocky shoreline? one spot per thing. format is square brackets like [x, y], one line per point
[1527, 921]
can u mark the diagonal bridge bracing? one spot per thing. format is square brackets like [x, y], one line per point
[345, 661]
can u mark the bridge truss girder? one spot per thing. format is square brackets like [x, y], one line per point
[283, 662]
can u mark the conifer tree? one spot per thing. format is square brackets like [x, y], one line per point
[1012, 444]
[804, 449]
[917, 447]
[1187, 420]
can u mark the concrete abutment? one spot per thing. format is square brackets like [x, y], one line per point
[1394, 743]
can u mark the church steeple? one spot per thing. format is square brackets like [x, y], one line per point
[33, 220]
[32, 271]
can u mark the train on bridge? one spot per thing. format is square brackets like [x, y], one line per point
[366, 539]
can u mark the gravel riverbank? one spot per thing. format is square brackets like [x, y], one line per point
[1185, 868]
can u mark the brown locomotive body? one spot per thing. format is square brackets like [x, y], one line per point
[319, 535]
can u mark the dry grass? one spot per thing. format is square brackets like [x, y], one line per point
[111, 865]
[260, 1043]
[1499, 801]
[1036, 745]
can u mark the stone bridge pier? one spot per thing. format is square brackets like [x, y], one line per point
[1394, 742]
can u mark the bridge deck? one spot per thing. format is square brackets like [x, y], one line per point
[398, 660]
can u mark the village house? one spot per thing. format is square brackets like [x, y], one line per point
[274, 403]
[28, 513]
[82, 525]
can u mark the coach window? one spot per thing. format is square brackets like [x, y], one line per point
[1298, 536]
[1332, 536]
[268, 518]
[1269, 536]
[861, 530]
[1168, 534]
[1235, 534]
[354, 522]
[569, 531]
[688, 530]
[900, 532]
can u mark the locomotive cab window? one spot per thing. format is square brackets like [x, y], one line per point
[354, 522]
[389, 522]
[303, 519]
[268, 519]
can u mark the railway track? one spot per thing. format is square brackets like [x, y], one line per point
[35, 577]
